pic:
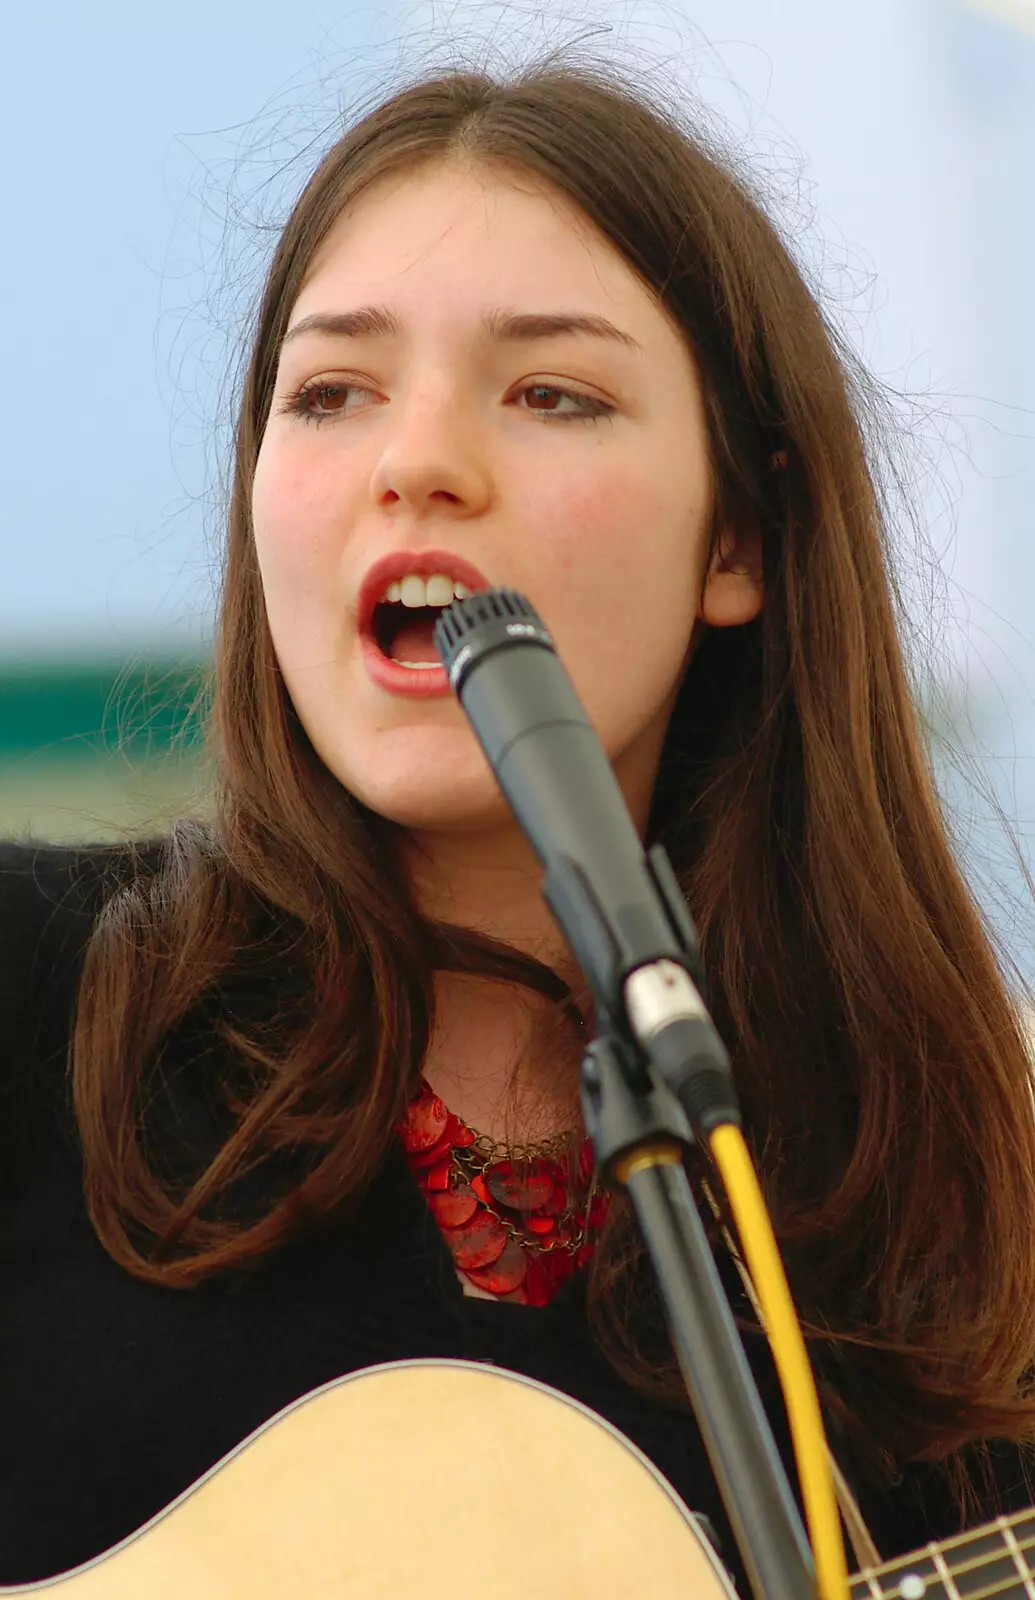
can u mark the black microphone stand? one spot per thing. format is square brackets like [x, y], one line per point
[636, 1113]
[657, 1075]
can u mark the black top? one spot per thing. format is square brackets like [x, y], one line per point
[115, 1395]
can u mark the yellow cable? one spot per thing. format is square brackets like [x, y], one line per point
[782, 1329]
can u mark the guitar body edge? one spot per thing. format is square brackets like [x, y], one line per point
[397, 1481]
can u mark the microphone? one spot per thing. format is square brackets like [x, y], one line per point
[619, 907]
[657, 1074]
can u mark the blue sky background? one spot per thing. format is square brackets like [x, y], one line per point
[142, 149]
[904, 149]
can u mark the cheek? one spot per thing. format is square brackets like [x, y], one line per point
[298, 532]
[286, 499]
[627, 545]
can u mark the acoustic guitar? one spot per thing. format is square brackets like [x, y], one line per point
[424, 1480]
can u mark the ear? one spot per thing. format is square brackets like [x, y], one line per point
[733, 592]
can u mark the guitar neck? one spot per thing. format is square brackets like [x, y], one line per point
[995, 1560]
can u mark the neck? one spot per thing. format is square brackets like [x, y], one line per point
[502, 1060]
[488, 883]
[489, 880]
[500, 1056]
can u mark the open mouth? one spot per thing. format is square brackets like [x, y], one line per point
[405, 634]
[401, 599]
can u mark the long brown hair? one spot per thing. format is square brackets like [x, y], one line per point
[878, 1054]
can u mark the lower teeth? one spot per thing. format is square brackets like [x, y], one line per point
[420, 666]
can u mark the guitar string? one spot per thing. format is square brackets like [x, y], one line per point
[907, 1565]
[868, 1573]
[957, 1543]
[903, 1565]
[972, 1594]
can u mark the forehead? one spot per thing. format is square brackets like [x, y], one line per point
[468, 233]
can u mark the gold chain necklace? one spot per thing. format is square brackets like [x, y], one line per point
[518, 1218]
[522, 1171]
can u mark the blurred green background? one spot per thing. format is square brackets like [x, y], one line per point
[95, 749]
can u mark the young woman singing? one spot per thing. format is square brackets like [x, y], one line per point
[294, 1090]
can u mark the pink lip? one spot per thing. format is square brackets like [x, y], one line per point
[387, 674]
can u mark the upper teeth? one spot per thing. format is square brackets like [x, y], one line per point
[414, 592]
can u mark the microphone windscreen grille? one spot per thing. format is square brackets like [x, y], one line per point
[491, 606]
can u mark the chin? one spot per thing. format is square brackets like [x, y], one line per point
[427, 798]
[443, 814]
[410, 774]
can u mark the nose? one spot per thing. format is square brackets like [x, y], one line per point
[434, 460]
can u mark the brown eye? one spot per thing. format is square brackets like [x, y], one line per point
[324, 401]
[542, 398]
[327, 397]
[567, 405]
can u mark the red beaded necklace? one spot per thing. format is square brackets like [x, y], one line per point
[517, 1219]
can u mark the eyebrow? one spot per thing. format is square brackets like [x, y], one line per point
[502, 326]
